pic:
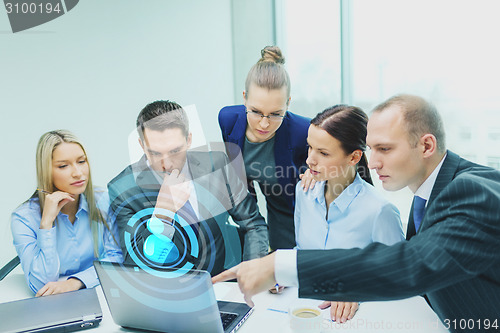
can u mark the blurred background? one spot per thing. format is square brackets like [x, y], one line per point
[93, 69]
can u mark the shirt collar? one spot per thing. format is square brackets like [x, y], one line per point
[348, 194]
[318, 192]
[344, 199]
[83, 204]
[425, 190]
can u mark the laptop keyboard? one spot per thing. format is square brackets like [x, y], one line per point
[227, 319]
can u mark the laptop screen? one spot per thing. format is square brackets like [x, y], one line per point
[169, 300]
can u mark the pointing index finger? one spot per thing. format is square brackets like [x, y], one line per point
[226, 275]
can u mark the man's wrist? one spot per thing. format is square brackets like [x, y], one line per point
[163, 218]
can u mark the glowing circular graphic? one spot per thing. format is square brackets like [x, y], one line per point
[152, 259]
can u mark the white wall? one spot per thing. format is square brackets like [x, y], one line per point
[253, 29]
[93, 69]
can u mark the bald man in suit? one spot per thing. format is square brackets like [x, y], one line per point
[452, 252]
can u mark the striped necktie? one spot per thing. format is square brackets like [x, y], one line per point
[418, 211]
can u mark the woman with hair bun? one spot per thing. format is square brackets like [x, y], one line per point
[343, 210]
[64, 226]
[272, 141]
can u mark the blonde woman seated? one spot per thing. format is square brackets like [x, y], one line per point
[64, 226]
[343, 210]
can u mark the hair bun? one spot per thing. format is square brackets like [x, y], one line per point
[273, 54]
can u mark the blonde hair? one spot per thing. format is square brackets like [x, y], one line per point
[46, 145]
[269, 71]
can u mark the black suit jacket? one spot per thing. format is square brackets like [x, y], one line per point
[454, 258]
[220, 192]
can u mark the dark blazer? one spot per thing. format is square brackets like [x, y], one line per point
[290, 152]
[454, 258]
[220, 192]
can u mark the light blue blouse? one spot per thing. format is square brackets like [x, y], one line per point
[66, 249]
[356, 218]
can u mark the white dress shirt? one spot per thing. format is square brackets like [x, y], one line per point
[425, 190]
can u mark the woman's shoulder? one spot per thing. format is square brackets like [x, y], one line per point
[296, 128]
[229, 114]
[297, 124]
[29, 212]
[295, 118]
[310, 194]
[232, 122]
[30, 205]
[231, 110]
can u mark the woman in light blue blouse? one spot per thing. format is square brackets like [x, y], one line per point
[343, 210]
[63, 227]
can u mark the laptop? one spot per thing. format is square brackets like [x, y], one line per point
[67, 312]
[167, 301]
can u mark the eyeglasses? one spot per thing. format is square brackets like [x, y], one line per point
[255, 115]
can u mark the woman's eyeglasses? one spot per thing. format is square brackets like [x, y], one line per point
[258, 116]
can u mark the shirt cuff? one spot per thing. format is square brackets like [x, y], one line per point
[46, 241]
[88, 277]
[285, 268]
[161, 226]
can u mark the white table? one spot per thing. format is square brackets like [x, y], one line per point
[408, 315]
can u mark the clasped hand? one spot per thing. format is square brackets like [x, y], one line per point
[54, 202]
[174, 192]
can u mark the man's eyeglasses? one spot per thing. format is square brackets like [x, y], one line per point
[258, 116]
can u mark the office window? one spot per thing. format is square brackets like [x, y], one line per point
[309, 34]
[465, 133]
[494, 162]
[494, 134]
[444, 51]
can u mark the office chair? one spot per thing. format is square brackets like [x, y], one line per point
[9, 267]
